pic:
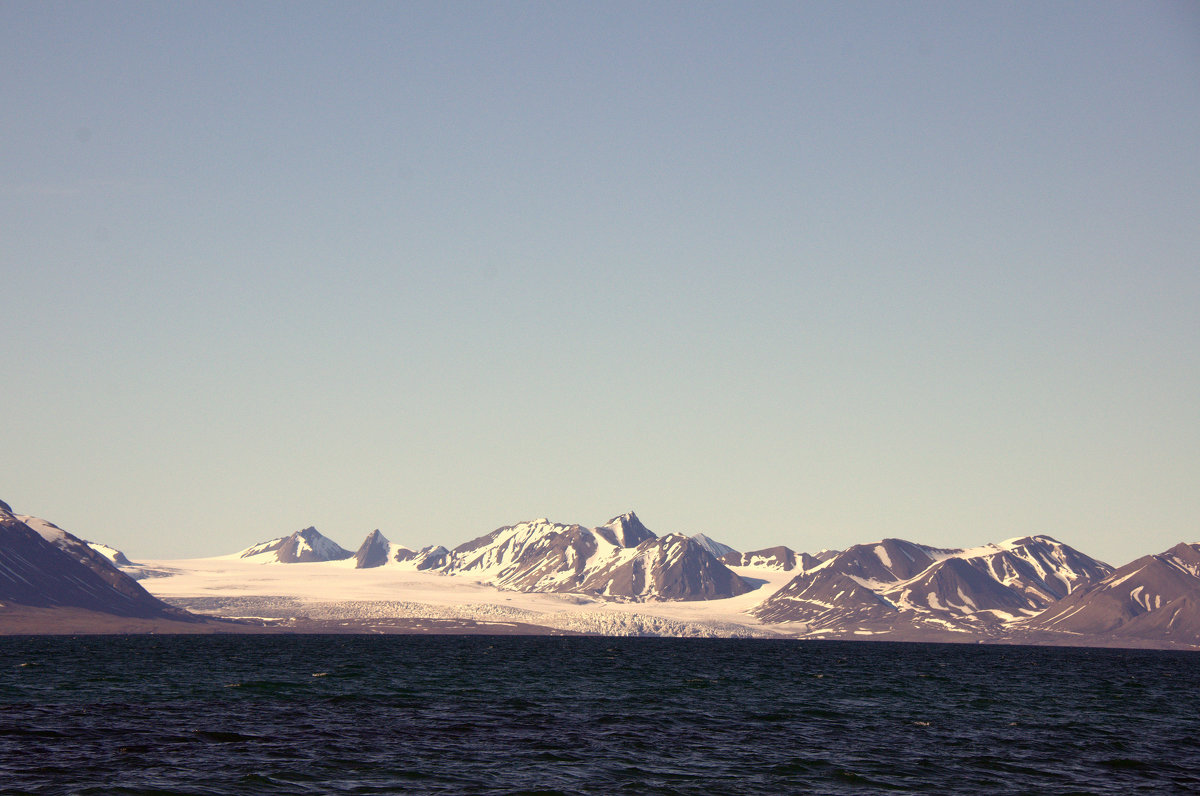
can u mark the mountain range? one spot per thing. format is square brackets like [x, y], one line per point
[1031, 589]
[894, 584]
[621, 559]
[1155, 596]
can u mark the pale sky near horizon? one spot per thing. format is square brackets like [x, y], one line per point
[809, 274]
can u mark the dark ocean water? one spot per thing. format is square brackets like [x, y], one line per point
[477, 714]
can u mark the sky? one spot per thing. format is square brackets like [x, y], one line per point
[800, 273]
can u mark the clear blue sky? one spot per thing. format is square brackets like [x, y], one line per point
[783, 273]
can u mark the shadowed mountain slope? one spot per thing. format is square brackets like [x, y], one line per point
[1153, 597]
[64, 571]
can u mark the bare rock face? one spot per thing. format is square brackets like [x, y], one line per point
[621, 559]
[895, 584]
[887, 561]
[373, 552]
[954, 588]
[673, 567]
[827, 598]
[302, 546]
[52, 568]
[1155, 597]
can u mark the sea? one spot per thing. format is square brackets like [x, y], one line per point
[586, 715]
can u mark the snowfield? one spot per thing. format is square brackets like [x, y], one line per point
[334, 590]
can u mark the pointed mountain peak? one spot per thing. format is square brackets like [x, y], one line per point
[311, 545]
[626, 530]
[7, 509]
[710, 544]
[305, 545]
[1186, 554]
[373, 552]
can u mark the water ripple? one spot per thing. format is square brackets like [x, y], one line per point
[405, 714]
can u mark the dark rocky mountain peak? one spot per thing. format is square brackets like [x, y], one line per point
[625, 531]
[885, 561]
[373, 552]
[1186, 556]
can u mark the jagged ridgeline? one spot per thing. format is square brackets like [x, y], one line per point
[1030, 589]
[621, 559]
[882, 586]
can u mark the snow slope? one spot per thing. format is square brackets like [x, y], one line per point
[336, 589]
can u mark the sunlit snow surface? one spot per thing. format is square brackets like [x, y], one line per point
[47, 530]
[57, 536]
[336, 590]
[559, 577]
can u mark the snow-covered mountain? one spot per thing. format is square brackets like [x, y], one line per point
[1030, 589]
[621, 559]
[115, 556]
[71, 544]
[432, 557]
[1154, 597]
[377, 551]
[718, 549]
[301, 546]
[894, 584]
[671, 567]
[778, 557]
[625, 531]
[42, 565]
